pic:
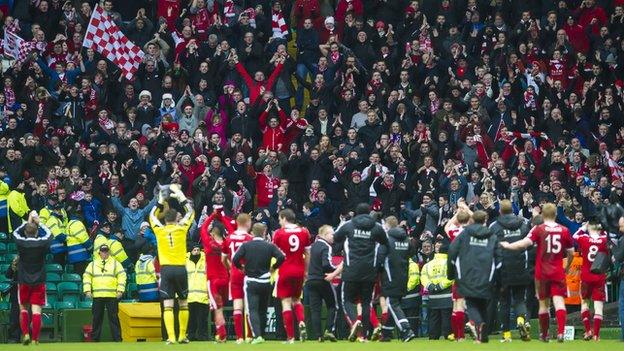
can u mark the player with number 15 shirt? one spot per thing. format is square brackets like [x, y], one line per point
[553, 240]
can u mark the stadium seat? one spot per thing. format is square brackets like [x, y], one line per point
[71, 298]
[64, 305]
[51, 288]
[8, 258]
[51, 300]
[54, 268]
[131, 291]
[4, 285]
[53, 277]
[5, 305]
[68, 288]
[69, 268]
[87, 304]
[3, 278]
[3, 248]
[11, 248]
[3, 236]
[72, 277]
[49, 258]
[4, 267]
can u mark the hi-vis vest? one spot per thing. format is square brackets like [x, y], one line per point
[78, 243]
[118, 252]
[99, 240]
[104, 278]
[197, 283]
[58, 226]
[12, 201]
[146, 280]
[573, 280]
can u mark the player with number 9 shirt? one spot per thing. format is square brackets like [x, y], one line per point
[554, 243]
[294, 241]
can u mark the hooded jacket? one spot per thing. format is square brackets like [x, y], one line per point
[476, 257]
[515, 268]
[395, 259]
[360, 239]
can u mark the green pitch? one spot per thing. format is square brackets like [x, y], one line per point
[421, 344]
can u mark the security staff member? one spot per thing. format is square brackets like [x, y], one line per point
[146, 280]
[514, 273]
[171, 239]
[319, 288]
[395, 259]
[257, 255]
[55, 218]
[198, 294]
[359, 237]
[435, 282]
[476, 255]
[78, 244]
[104, 280]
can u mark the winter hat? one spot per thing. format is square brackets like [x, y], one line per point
[145, 93]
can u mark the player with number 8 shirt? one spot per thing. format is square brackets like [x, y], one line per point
[592, 240]
[554, 243]
[294, 241]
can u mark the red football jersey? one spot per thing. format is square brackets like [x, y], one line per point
[454, 231]
[552, 242]
[590, 246]
[214, 266]
[230, 245]
[293, 241]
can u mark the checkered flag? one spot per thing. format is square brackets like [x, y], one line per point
[17, 48]
[104, 36]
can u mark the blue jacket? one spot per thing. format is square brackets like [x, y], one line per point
[92, 211]
[131, 219]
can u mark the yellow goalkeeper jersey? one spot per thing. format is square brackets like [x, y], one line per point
[171, 238]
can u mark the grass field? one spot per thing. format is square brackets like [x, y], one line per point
[420, 344]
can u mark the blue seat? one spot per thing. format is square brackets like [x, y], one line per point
[54, 268]
[71, 277]
[53, 277]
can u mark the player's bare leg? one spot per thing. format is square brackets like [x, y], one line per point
[239, 329]
[457, 319]
[25, 323]
[586, 318]
[561, 314]
[300, 315]
[183, 317]
[598, 310]
[287, 317]
[219, 321]
[544, 319]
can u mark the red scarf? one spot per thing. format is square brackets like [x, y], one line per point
[278, 25]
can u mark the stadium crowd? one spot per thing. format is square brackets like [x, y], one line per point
[257, 106]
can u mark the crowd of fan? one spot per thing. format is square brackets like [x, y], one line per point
[408, 105]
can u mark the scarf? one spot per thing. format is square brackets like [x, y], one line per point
[106, 123]
[9, 94]
[313, 195]
[238, 200]
[52, 184]
[278, 25]
[529, 100]
[13, 27]
[228, 9]
[252, 16]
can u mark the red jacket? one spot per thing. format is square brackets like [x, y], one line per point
[585, 16]
[273, 138]
[341, 9]
[577, 37]
[254, 87]
[293, 131]
[265, 188]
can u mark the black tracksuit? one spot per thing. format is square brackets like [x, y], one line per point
[318, 289]
[476, 256]
[395, 259]
[257, 255]
[360, 238]
[514, 272]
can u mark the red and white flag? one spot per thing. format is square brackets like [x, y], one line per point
[617, 173]
[105, 37]
[16, 47]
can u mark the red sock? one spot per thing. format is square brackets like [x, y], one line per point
[373, 318]
[221, 332]
[585, 317]
[544, 319]
[24, 323]
[287, 316]
[561, 320]
[36, 326]
[238, 324]
[384, 318]
[299, 312]
[359, 317]
[454, 324]
[459, 324]
[597, 323]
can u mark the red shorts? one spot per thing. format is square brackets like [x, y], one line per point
[595, 291]
[218, 292]
[548, 288]
[236, 289]
[455, 293]
[289, 287]
[32, 294]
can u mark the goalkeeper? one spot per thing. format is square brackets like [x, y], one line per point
[171, 240]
